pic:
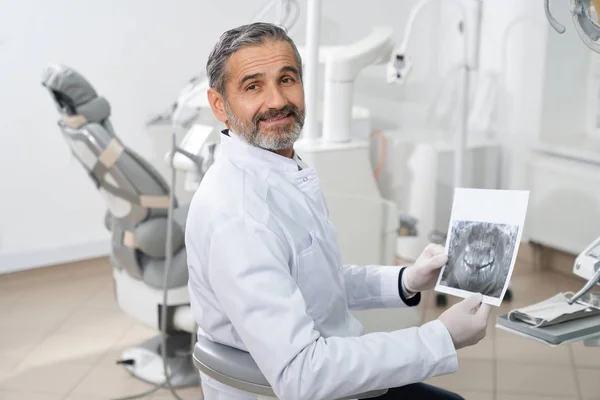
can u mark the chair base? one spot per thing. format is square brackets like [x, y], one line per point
[145, 362]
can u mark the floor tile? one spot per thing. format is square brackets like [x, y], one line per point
[18, 343]
[57, 378]
[104, 299]
[514, 377]
[470, 395]
[109, 380]
[511, 347]
[135, 335]
[484, 350]
[185, 394]
[73, 331]
[28, 395]
[506, 396]
[8, 298]
[85, 322]
[584, 356]
[43, 316]
[7, 368]
[472, 375]
[526, 254]
[533, 288]
[589, 383]
[69, 348]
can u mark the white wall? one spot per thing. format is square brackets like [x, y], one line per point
[138, 54]
[565, 100]
[513, 46]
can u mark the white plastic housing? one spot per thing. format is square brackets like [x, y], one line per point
[311, 69]
[337, 112]
[347, 62]
[341, 69]
[193, 142]
[393, 71]
[142, 302]
[585, 261]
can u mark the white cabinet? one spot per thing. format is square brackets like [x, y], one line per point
[564, 203]
[425, 181]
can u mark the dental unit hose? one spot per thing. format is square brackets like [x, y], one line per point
[168, 261]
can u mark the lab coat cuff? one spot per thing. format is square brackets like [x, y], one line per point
[390, 276]
[414, 299]
[438, 339]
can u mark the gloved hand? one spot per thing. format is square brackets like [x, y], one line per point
[424, 273]
[467, 321]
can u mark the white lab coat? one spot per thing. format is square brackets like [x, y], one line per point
[265, 276]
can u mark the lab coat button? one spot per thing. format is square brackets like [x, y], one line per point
[305, 179]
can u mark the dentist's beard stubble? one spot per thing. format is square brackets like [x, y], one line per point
[277, 139]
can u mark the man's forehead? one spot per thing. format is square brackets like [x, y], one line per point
[272, 55]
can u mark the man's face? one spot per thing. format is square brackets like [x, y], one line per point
[264, 102]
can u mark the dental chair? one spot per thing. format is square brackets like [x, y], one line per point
[137, 198]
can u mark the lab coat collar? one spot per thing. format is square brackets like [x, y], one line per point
[235, 147]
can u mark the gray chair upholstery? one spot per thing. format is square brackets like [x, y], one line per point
[136, 195]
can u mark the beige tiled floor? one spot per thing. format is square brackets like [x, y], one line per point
[61, 332]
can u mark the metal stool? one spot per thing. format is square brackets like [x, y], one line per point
[236, 368]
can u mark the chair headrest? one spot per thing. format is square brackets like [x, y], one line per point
[74, 95]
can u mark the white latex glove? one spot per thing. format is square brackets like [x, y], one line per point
[424, 273]
[467, 321]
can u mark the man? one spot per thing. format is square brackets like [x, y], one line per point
[265, 271]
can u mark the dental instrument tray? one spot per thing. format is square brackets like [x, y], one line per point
[553, 321]
[553, 335]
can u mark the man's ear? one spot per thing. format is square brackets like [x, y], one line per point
[217, 103]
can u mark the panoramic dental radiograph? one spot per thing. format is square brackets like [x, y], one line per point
[479, 257]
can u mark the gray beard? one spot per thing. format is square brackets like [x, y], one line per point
[278, 140]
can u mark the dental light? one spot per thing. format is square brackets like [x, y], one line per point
[585, 18]
[400, 66]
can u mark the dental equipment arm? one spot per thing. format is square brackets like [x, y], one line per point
[399, 67]
[311, 69]
[558, 27]
[589, 285]
[341, 69]
[587, 266]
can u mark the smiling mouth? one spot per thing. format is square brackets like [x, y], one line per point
[277, 118]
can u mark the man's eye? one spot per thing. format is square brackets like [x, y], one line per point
[287, 79]
[252, 87]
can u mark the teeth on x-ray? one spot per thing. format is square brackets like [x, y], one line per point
[479, 257]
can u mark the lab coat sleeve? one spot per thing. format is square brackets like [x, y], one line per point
[250, 275]
[374, 286]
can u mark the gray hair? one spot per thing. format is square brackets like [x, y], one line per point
[233, 40]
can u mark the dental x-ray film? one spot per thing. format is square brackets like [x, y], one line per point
[482, 243]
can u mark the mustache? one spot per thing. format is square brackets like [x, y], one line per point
[289, 109]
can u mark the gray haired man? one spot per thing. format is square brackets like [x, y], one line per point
[266, 274]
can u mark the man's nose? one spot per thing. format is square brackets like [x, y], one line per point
[275, 98]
